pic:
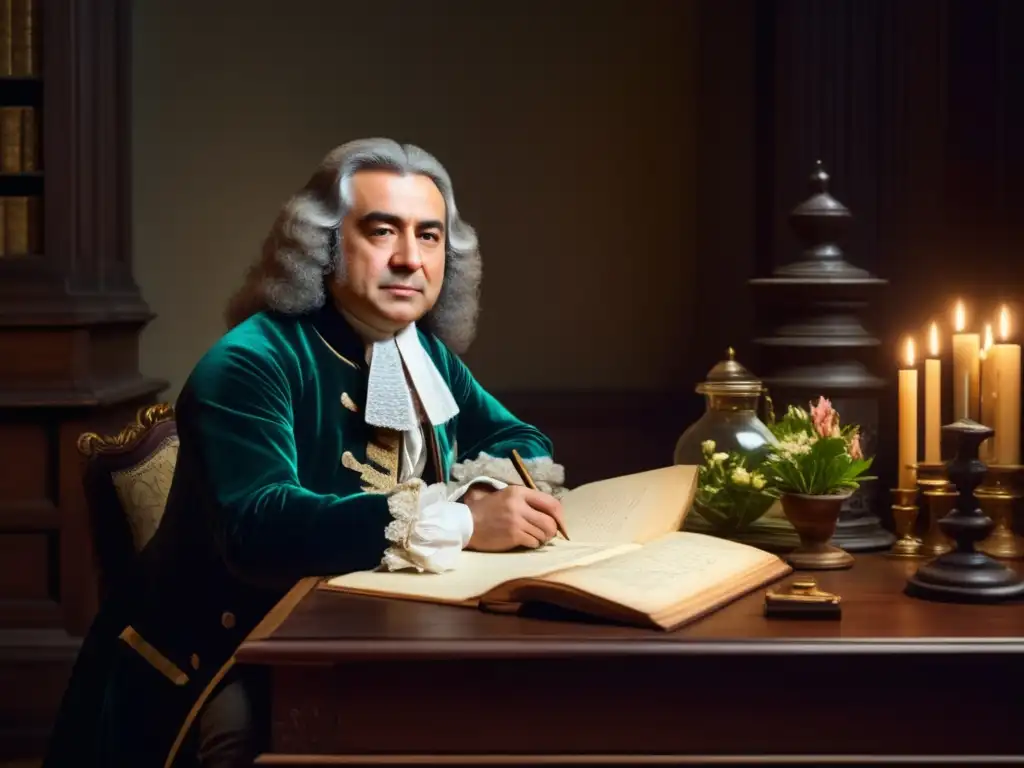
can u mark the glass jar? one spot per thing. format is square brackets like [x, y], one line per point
[733, 397]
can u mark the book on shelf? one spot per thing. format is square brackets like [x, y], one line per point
[20, 225]
[18, 140]
[626, 560]
[20, 47]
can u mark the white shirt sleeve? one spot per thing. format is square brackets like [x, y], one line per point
[431, 536]
[437, 531]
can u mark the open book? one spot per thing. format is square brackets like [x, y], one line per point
[626, 560]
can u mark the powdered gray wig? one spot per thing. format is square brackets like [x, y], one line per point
[304, 246]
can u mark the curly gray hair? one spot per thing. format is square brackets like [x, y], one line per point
[304, 246]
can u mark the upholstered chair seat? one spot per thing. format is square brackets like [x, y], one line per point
[127, 478]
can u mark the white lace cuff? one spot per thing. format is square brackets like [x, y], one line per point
[428, 530]
[548, 475]
[457, 490]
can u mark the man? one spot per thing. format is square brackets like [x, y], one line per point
[332, 429]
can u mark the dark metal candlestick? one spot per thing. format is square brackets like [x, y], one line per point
[813, 337]
[966, 575]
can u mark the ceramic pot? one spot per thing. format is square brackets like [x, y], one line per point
[815, 518]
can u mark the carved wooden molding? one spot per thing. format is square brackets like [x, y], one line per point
[91, 444]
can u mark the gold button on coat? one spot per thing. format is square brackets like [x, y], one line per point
[227, 620]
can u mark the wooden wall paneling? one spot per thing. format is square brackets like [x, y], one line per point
[29, 521]
[909, 190]
[727, 188]
[70, 316]
[47, 575]
[824, 57]
[604, 434]
[601, 434]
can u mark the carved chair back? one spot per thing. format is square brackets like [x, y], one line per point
[127, 477]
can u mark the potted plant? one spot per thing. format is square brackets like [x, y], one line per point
[732, 492]
[816, 466]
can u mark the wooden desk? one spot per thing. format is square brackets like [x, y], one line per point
[369, 681]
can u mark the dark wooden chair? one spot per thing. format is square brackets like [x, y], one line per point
[127, 477]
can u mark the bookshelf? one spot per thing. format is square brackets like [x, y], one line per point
[21, 109]
[70, 318]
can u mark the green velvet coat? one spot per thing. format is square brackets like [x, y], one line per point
[278, 481]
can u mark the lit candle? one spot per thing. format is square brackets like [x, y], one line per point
[908, 420]
[988, 394]
[966, 368]
[1006, 416]
[932, 399]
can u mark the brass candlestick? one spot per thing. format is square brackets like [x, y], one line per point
[904, 515]
[996, 496]
[940, 503]
[939, 497]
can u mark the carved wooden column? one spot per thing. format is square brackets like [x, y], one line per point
[814, 340]
[70, 318]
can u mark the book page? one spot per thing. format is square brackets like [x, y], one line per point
[668, 571]
[637, 507]
[476, 573]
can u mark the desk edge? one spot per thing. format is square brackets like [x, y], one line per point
[308, 651]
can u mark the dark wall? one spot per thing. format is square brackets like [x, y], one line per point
[570, 136]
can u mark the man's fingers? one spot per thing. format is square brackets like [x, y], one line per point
[544, 502]
[524, 538]
[546, 523]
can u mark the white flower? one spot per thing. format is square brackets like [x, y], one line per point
[757, 480]
[718, 458]
[799, 413]
[740, 476]
[708, 446]
[795, 445]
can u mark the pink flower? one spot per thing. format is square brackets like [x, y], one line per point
[825, 418]
[855, 450]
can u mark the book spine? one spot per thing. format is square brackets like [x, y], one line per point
[34, 224]
[6, 29]
[3, 226]
[24, 55]
[10, 139]
[16, 226]
[29, 139]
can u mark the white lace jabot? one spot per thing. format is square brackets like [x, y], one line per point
[431, 527]
[389, 400]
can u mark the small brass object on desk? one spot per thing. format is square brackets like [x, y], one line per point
[904, 515]
[802, 600]
[940, 503]
[939, 495]
[996, 496]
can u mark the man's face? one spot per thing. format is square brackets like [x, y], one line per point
[393, 241]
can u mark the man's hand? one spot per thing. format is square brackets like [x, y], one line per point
[476, 492]
[513, 517]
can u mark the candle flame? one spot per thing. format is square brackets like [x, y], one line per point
[960, 317]
[909, 353]
[933, 340]
[1004, 324]
[988, 338]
